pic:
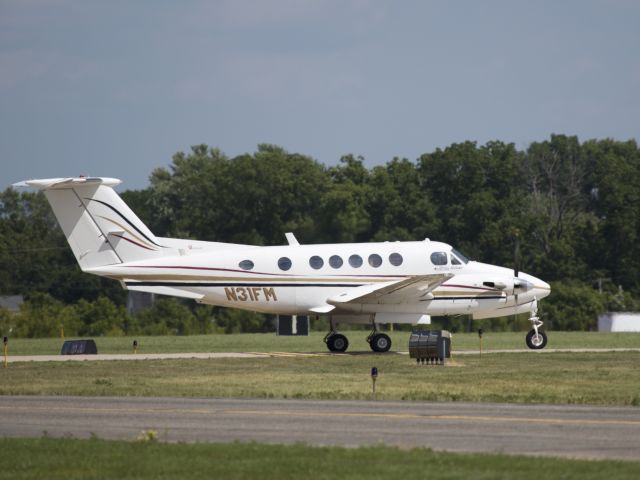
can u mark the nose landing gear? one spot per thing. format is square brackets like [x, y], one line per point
[536, 338]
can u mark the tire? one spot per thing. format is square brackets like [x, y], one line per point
[337, 343]
[536, 343]
[380, 342]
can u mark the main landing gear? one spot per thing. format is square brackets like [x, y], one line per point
[536, 338]
[379, 342]
[337, 342]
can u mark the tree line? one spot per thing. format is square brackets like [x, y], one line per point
[573, 207]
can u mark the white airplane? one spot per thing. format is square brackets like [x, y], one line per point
[373, 283]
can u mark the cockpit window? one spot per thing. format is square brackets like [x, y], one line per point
[460, 256]
[439, 258]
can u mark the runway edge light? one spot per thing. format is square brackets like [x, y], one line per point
[5, 342]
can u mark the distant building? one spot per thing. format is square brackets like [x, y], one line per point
[11, 302]
[619, 322]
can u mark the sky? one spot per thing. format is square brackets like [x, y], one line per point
[115, 88]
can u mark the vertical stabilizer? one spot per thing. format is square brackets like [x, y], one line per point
[100, 228]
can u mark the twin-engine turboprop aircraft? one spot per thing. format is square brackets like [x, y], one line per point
[373, 283]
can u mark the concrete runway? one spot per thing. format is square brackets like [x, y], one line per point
[565, 430]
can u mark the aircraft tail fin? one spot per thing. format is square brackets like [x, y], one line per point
[100, 228]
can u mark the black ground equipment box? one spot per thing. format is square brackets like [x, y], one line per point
[430, 346]
[79, 347]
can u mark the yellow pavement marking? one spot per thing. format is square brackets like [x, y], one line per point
[292, 354]
[412, 416]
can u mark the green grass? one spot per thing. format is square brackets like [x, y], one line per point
[102, 459]
[608, 378]
[267, 342]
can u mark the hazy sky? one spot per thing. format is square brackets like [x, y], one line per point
[115, 88]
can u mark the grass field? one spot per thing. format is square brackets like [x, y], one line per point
[267, 342]
[609, 378]
[89, 459]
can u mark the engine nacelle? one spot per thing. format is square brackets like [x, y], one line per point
[509, 285]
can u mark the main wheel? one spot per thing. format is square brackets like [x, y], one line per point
[337, 343]
[380, 342]
[536, 341]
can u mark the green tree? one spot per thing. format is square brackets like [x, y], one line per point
[101, 317]
[167, 316]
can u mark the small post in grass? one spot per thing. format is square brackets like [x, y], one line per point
[444, 352]
[480, 332]
[6, 351]
[135, 346]
[62, 331]
[374, 376]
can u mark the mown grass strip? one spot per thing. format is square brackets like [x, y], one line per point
[269, 342]
[609, 378]
[101, 459]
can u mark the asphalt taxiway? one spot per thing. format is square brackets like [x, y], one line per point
[214, 355]
[556, 430]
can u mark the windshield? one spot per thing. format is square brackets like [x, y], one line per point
[460, 256]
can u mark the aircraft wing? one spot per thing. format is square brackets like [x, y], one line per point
[409, 290]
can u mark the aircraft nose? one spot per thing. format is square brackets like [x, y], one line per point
[541, 288]
[537, 288]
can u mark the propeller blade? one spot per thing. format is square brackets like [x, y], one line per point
[516, 255]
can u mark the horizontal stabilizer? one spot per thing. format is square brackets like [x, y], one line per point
[70, 182]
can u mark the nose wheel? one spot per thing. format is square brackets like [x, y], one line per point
[536, 338]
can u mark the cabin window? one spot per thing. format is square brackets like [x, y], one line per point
[335, 261]
[355, 261]
[454, 260]
[395, 259]
[246, 265]
[284, 263]
[316, 262]
[375, 260]
[439, 258]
